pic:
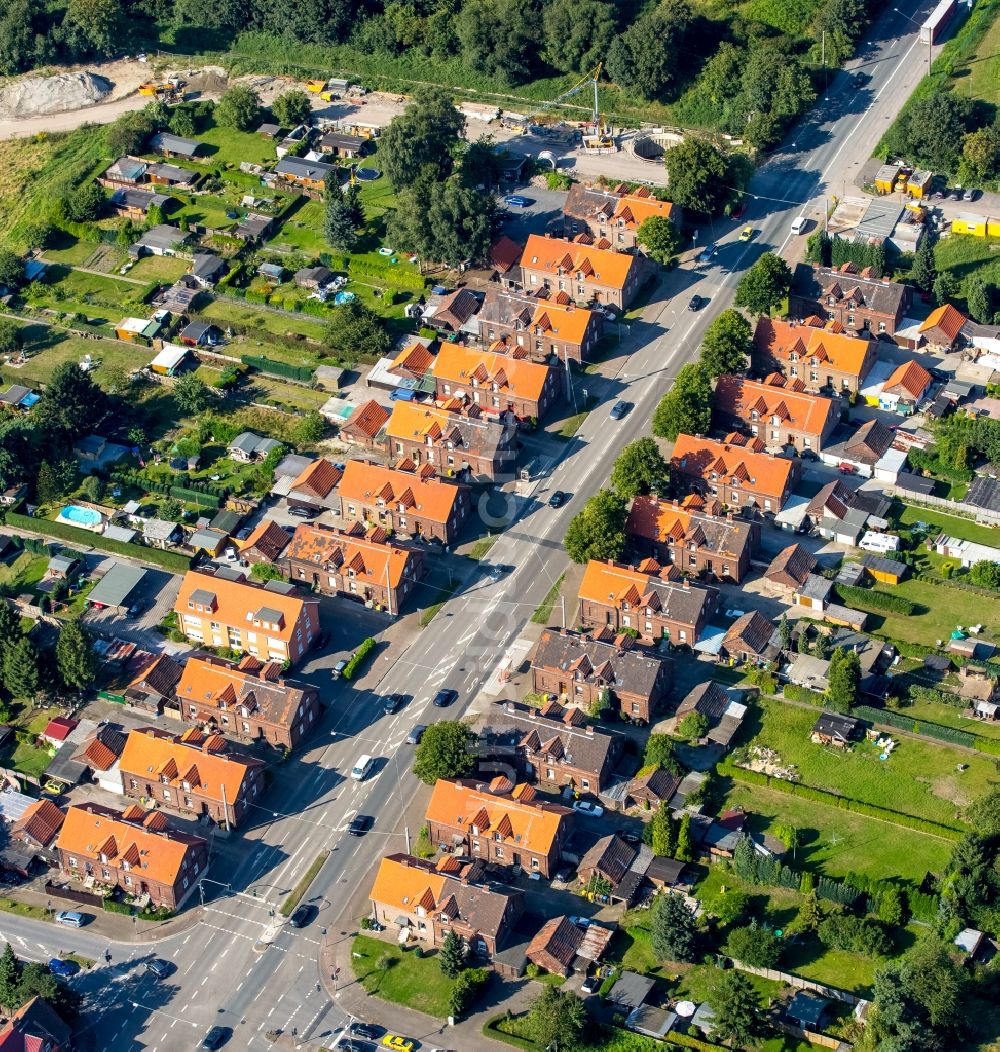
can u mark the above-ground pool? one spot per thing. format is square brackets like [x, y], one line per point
[81, 518]
[366, 175]
[386, 251]
[344, 297]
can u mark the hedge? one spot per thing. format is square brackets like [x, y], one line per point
[387, 274]
[493, 1031]
[194, 496]
[808, 792]
[112, 906]
[358, 657]
[951, 735]
[684, 1041]
[796, 693]
[195, 489]
[175, 562]
[891, 604]
[302, 373]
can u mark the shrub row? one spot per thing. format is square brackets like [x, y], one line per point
[685, 1041]
[796, 693]
[358, 657]
[192, 490]
[892, 604]
[951, 735]
[943, 697]
[387, 274]
[492, 1030]
[808, 792]
[302, 373]
[175, 562]
[113, 906]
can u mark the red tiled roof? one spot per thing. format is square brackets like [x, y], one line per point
[367, 419]
[40, 822]
[504, 254]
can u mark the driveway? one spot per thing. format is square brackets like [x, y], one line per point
[156, 593]
[544, 210]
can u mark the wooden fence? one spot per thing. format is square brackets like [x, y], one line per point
[830, 992]
[951, 507]
[85, 898]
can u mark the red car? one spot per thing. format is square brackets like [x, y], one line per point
[847, 469]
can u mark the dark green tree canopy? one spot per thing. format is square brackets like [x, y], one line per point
[765, 285]
[292, 108]
[238, 108]
[699, 175]
[649, 58]
[422, 139]
[639, 467]
[597, 531]
[443, 752]
[727, 343]
[71, 403]
[687, 407]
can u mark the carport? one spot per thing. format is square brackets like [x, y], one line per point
[116, 588]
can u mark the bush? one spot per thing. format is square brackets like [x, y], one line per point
[302, 373]
[358, 657]
[811, 697]
[467, 989]
[866, 597]
[113, 906]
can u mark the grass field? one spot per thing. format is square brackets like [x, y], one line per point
[836, 842]
[962, 255]
[921, 709]
[953, 524]
[303, 231]
[49, 347]
[68, 250]
[160, 268]
[233, 147]
[228, 310]
[919, 778]
[979, 76]
[406, 979]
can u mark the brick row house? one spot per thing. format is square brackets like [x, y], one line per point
[545, 328]
[585, 273]
[494, 382]
[695, 535]
[579, 667]
[404, 500]
[613, 216]
[366, 425]
[133, 850]
[358, 563]
[453, 443]
[777, 410]
[555, 745]
[737, 471]
[250, 701]
[267, 621]
[649, 599]
[192, 774]
[824, 358]
[501, 824]
[414, 895]
[859, 301]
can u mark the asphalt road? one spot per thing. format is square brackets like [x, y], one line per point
[225, 975]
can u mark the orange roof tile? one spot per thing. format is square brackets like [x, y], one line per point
[742, 398]
[781, 338]
[405, 887]
[268, 537]
[371, 559]
[415, 359]
[552, 255]
[158, 855]
[40, 822]
[514, 377]
[910, 378]
[703, 456]
[429, 497]
[946, 318]
[635, 209]
[367, 419]
[318, 478]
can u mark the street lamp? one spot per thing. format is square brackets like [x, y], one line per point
[930, 36]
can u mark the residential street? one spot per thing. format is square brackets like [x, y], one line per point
[224, 974]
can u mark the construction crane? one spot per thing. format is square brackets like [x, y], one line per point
[600, 136]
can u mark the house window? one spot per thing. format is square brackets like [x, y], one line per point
[725, 569]
[133, 784]
[534, 863]
[498, 851]
[128, 880]
[72, 860]
[549, 773]
[585, 783]
[246, 727]
[683, 635]
[166, 794]
[881, 326]
[635, 707]
[850, 319]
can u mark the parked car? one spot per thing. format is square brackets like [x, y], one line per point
[580, 922]
[321, 640]
[618, 410]
[393, 703]
[706, 254]
[71, 918]
[695, 302]
[216, 1037]
[413, 738]
[360, 824]
[558, 499]
[809, 454]
[338, 670]
[302, 916]
[301, 513]
[590, 985]
[846, 469]
[365, 1030]
[747, 233]
[445, 697]
[64, 969]
[400, 1044]
[161, 969]
[585, 807]
[516, 201]
[860, 79]
[970, 194]
[631, 838]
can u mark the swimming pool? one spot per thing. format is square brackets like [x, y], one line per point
[344, 297]
[81, 518]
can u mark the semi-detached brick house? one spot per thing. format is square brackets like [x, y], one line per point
[251, 701]
[454, 443]
[364, 426]
[579, 667]
[266, 621]
[547, 329]
[613, 215]
[649, 599]
[358, 564]
[778, 410]
[858, 301]
[555, 745]
[500, 823]
[695, 535]
[585, 273]
[824, 358]
[191, 774]
[738, 472]
[414, 895]
[134, 850]
[495, 382]
[405, 501]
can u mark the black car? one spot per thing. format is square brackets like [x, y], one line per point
[360, 824]
[161, 969]
[618, 410]
[445, 697]
[413, 738]
[216, 1037]
[302, 513]
[365, 1030]
[350, 1045]
[695, 303]
[558, 499]
[393, 703]
[302, 916]
[860, 79]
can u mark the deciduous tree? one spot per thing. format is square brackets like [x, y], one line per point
[660, 238]
[93, 27]
[191, 393]
[556, 1019]
[765, 285]
[577, 33]
[638, 468]
[11, 336]
[422, 139]
[698, 174]
[726, 344]
[844, 679]
[292, 108]
[597, 531]
[238, 108]
[355, 331]
[71, 402]
[687, 406]
[648, 58]
[755, 945]
[979, 297]
[11, 269]
[444, 752]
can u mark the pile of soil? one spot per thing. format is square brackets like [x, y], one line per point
[36, 96]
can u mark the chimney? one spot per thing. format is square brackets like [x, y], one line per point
[729, 516]
[590, 730]
[532, 713]
[685, 584]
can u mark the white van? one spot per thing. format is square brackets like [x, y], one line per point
[362, 768]
[799, 223]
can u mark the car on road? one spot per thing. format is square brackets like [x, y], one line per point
[302, 916]
[860, 79]
[695, 302]
[365, 1030]
[413, 738]
[71, 918]
[338, 670]
[809, 454]
[360, 824]
[393, 703]
[565, 875]
[558, 499]
[444, 697]
[301, 513]
[64, 969]
[746, 233]
[400, 1044]
[605, 312]
[516, 201]
[585, 807]
[618, 410]
[348, 1044]
[216, 1037]
[161, 969]
[363, 767]
[956, 194]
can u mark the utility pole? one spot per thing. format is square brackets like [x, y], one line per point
[563, 598]
[826, 75]
[406, 833]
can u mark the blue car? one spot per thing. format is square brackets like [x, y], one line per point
[64, 969]
[516, 201]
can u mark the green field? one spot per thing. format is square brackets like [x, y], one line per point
[920, 709]
[160, 268]
[256, 317]
[962, 255]
[978, 77]
[919, 778]
[953, 524]
[303, 231]
[48, 347]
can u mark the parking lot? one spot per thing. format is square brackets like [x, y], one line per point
[155, 595]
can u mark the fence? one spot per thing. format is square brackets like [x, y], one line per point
[824, 1040]
[952, 507]
[830, 992]
[85, 898]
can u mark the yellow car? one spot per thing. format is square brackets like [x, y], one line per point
[400, 1044]
[746, 233]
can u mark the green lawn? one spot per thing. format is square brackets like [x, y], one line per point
[979, 76]
[949, 716]
[955, 525]
[160, 268]
[234, 147]
[416, 982]
[228, 310]
[919, 778]
[303, 231]
[962, 255]
[22, 573]
[49, 347]
[69, 250]
[836, 842]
